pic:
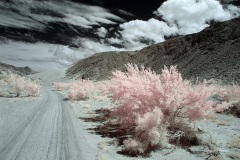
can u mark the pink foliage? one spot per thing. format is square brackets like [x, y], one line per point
[231, 92]
[139, 91]
[61, 86]
[153, 102]
[76, 95]
[32, 89]
[222, 106]
[133, 146]
[80, 90]
[18, 85]
[149, 126]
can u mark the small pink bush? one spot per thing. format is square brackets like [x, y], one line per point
[18, 85]
[80, 90]
[133, 146]
[231, 92]
[76, 94]
[61, 86]
[155, 103]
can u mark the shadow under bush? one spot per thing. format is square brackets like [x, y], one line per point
[111, 130]
[234, 110]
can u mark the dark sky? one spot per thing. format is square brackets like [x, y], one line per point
[138, 7]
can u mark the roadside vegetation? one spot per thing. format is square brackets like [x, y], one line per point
[150, 110]
[13, 85]
[80, 90]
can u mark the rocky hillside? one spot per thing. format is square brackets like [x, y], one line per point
[211, 53]
[17, 70]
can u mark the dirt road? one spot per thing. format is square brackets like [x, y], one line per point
[40, 128]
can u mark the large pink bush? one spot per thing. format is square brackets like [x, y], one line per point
[155, 103]
[15, 85]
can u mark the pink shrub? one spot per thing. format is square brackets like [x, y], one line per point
[150, 127]
[231, 92]
[223, 106]
[149, 131]
[20, 86]
[32, 89]
[139, 91]
[61, 86]
[133, 146]
[80, 90]
[76, 94]
[153, 102]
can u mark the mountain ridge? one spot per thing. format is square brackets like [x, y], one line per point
[212, 53]
[23, 71]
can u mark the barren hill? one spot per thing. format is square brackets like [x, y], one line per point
[211, 53]
[17, 70]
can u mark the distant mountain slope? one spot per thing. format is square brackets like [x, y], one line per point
[17, 70]
[211, 53]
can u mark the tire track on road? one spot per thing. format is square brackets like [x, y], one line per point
[48, 132]
[15, 138]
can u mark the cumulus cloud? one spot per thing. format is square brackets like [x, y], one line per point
[138, 31]
[192, 16]
[181, 17]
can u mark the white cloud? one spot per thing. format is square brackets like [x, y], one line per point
[102, 32]
[125, 13]
[90, 47]
[181, 17]
[97, 20]
[92, 14]
[192, 16]
[35, 14]
[114, 40]
[64, 55]
[234, 10]
[78, 21]
[11, 19]
[152, 29]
